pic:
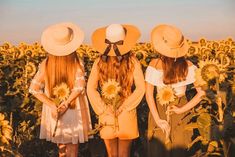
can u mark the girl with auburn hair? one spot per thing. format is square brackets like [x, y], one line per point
[62, 73]
[110, 87]
[169, 114]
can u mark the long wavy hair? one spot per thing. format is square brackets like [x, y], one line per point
[174, 70]
[61, 69]
[122, 72]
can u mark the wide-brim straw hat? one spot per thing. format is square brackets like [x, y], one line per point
[129, 39]
[62, 39]
[169, 41]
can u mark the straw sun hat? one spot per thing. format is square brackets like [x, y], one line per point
[169, 41]
[62, 39]
[115, 39]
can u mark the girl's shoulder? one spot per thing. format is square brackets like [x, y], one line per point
[191, 66]
[189, 63]
[156, 64]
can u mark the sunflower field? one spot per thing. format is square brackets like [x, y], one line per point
[213, 119]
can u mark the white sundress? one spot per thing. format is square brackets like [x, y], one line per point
[74, 125]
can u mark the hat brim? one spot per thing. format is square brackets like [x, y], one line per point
[161, 47]
[62, 49]
[132, 36]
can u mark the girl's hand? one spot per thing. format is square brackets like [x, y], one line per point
[62, 108]
[54, 114]
[119, 111]
[174, 109]
[163, 124]
[110, 109]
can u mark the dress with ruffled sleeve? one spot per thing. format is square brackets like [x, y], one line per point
[75, 123]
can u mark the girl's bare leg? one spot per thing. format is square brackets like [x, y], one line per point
[112, 147]
[124, 147]
[72, 150]
[62, 150]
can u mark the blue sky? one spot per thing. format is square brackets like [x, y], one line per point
[24, 20]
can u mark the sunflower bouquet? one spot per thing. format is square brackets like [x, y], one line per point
[61, 93]
[165, 97]
[110, 92]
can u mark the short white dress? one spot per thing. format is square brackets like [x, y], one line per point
[74, 125]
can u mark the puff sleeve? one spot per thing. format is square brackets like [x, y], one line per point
[97, 103]
[79, 84]
[37, 84]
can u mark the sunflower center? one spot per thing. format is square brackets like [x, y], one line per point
[166, 95]
[209, 72]
[61, 92]
[111, 89]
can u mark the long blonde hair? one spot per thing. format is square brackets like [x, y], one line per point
[61, 69]
[174, 70]
[122, 72]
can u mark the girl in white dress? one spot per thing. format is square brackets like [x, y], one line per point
[62, 66]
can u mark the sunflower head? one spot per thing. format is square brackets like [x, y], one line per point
[30, 69]
[192, 51]
[226, 48]
[29, 52]
[18, 53]
[5, 130]
[202, 42]
[165, 95]
[209, 72]
[209, 69]
[110, 89]
[215, 45]
[61, 91]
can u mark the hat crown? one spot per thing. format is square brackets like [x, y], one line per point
[62, 39]
[173, 37]
[62, 35]
[115, 32]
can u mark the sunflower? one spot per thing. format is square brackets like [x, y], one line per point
[61, 91]
[110, 89]
[30, 69]
[209, 45]
[5, 130]
[192, 50]
[18, 53]
[166, 95]
[223, 58]
[226, 48]
[29, 52]
[202, 42]
[208, 70]
[233, 85]
[221, 47]
[86, 50]
[215, 45]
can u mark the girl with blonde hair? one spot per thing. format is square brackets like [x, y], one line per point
[65, 123]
